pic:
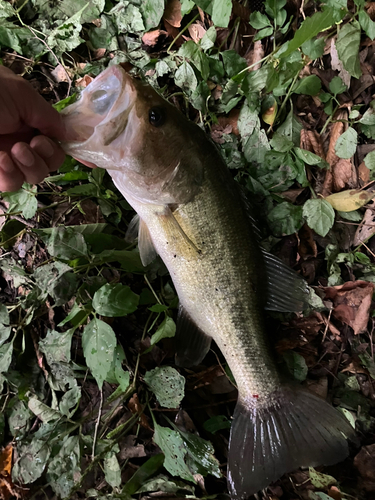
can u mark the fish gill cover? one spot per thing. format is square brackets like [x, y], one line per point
[87, 332]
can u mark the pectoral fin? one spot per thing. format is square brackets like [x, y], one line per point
[287, 291]
[146, 247]
[192, 344]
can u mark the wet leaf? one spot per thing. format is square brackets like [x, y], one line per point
[98, 342]
[32, 461]
[112, 471]
[347, 46]
[346, 144]
[115, 300]
[166, 329]
[296, 365]
[174, 449]
[167, 385]
[64, 470]
[320, 215]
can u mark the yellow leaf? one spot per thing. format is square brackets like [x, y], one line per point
[349, 200]
[269, 110]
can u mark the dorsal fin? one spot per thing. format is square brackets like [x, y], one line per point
[192, 344]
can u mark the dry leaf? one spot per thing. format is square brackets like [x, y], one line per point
[337, 64]
[83, 82]
[344, 175]
[311, 141]
[196, 31]
[98, 53]
[364, 173]
[367, 227]
[254, 56]
[364, 462]
[307, 246]
[135, 407]
[151, 38]
[172, 13]
[336, 130]
[173, 32]
[351, 303]
[60, 74]
[349, 200]
[7, 489]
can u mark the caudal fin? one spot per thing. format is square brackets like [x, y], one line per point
[292, 428]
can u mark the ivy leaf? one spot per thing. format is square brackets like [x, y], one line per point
[166, 329]
[310, 85]
[115, 300]
[98, 342]
[285, 219]
[173, 447]
[221, 11]
[367, 24]
[347, 46]
[320, 215]
[167, 385]
[346, 144]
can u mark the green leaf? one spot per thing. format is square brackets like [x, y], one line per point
[56, 346]
[200, 458]
[98, 342]
[217, 423]
[174, 449]
[209, 39]
[285, 219]
[24, 201]
[58, 280]
[152, 12]
[233, 62]
[116, 374]
[128, 18]
[368, 118]
[144, 472]
[6, 352]
[64, 470]
[167, 385]
[337, 86]
[6, 10]
[158, 308]
[310, 85]
[370, 160]
[353, 216]
[166, 329]
[320, 215]
[309, 157]
[4, 315]
[115, 300]
[83, 190]
[60, 105]
[112, 471]
[347, 46]
[5, 332]
[346, 144]
[314, 48]
[311, 26]
[319, 480]
[367, 24]
[192, 51]
[263, 33]
[259, 21]
[32, 461]
[221, 11]
[185, 78]
[296, 365]
[42, 411]
[66, 244]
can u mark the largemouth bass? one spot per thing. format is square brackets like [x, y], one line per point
[191, 213]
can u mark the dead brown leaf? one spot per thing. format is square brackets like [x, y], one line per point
[7, 489]
[337, 64]
[173, 32]
[151, 37]
[336, 130]
[311, 141]
[83, 82]
[366, 229]
[364, 462]
[344, 175]
[135, 407]
[60, 74]
[255, 55]
[307, 246]
[196, 31]
[351, 303]
[364, 173]
[172, 13]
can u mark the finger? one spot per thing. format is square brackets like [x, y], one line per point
[49, 151]
[29, 162]
[11, 178]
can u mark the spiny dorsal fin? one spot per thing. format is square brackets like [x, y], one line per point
[192, 344]
[287, 291]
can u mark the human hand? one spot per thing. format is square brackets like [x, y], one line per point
[25, 156]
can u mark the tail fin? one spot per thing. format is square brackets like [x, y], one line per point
[291, 428]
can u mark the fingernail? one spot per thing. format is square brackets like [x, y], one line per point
[25, 156]
[45, 149]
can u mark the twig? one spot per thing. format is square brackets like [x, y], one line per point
[327, 325]
[97, 424]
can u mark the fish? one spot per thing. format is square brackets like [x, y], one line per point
[191, 212]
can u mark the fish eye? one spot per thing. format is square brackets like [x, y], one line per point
[156, 116]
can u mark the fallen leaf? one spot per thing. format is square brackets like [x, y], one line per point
[337, 64]
[312, 141]
[364, 462]
[351, 303]
[364, 173]
[60, 74]
[335, 493]
[83, 82]
[151, 37]
[172, 13]
[6, 460]
[196, 31]
[254, 56]
[307, 246]
[336, 130]
[98, 53]
[366, 229]
[7, 489]
[349, 200]
[173, 33]
[135, 407]
[344, 175]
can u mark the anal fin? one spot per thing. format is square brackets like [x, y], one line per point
[287, 291]
[192, 344]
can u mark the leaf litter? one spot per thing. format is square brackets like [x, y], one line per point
[86, 333]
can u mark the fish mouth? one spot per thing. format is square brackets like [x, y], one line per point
[101, 114]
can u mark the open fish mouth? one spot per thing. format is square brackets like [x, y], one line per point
[99, 117]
